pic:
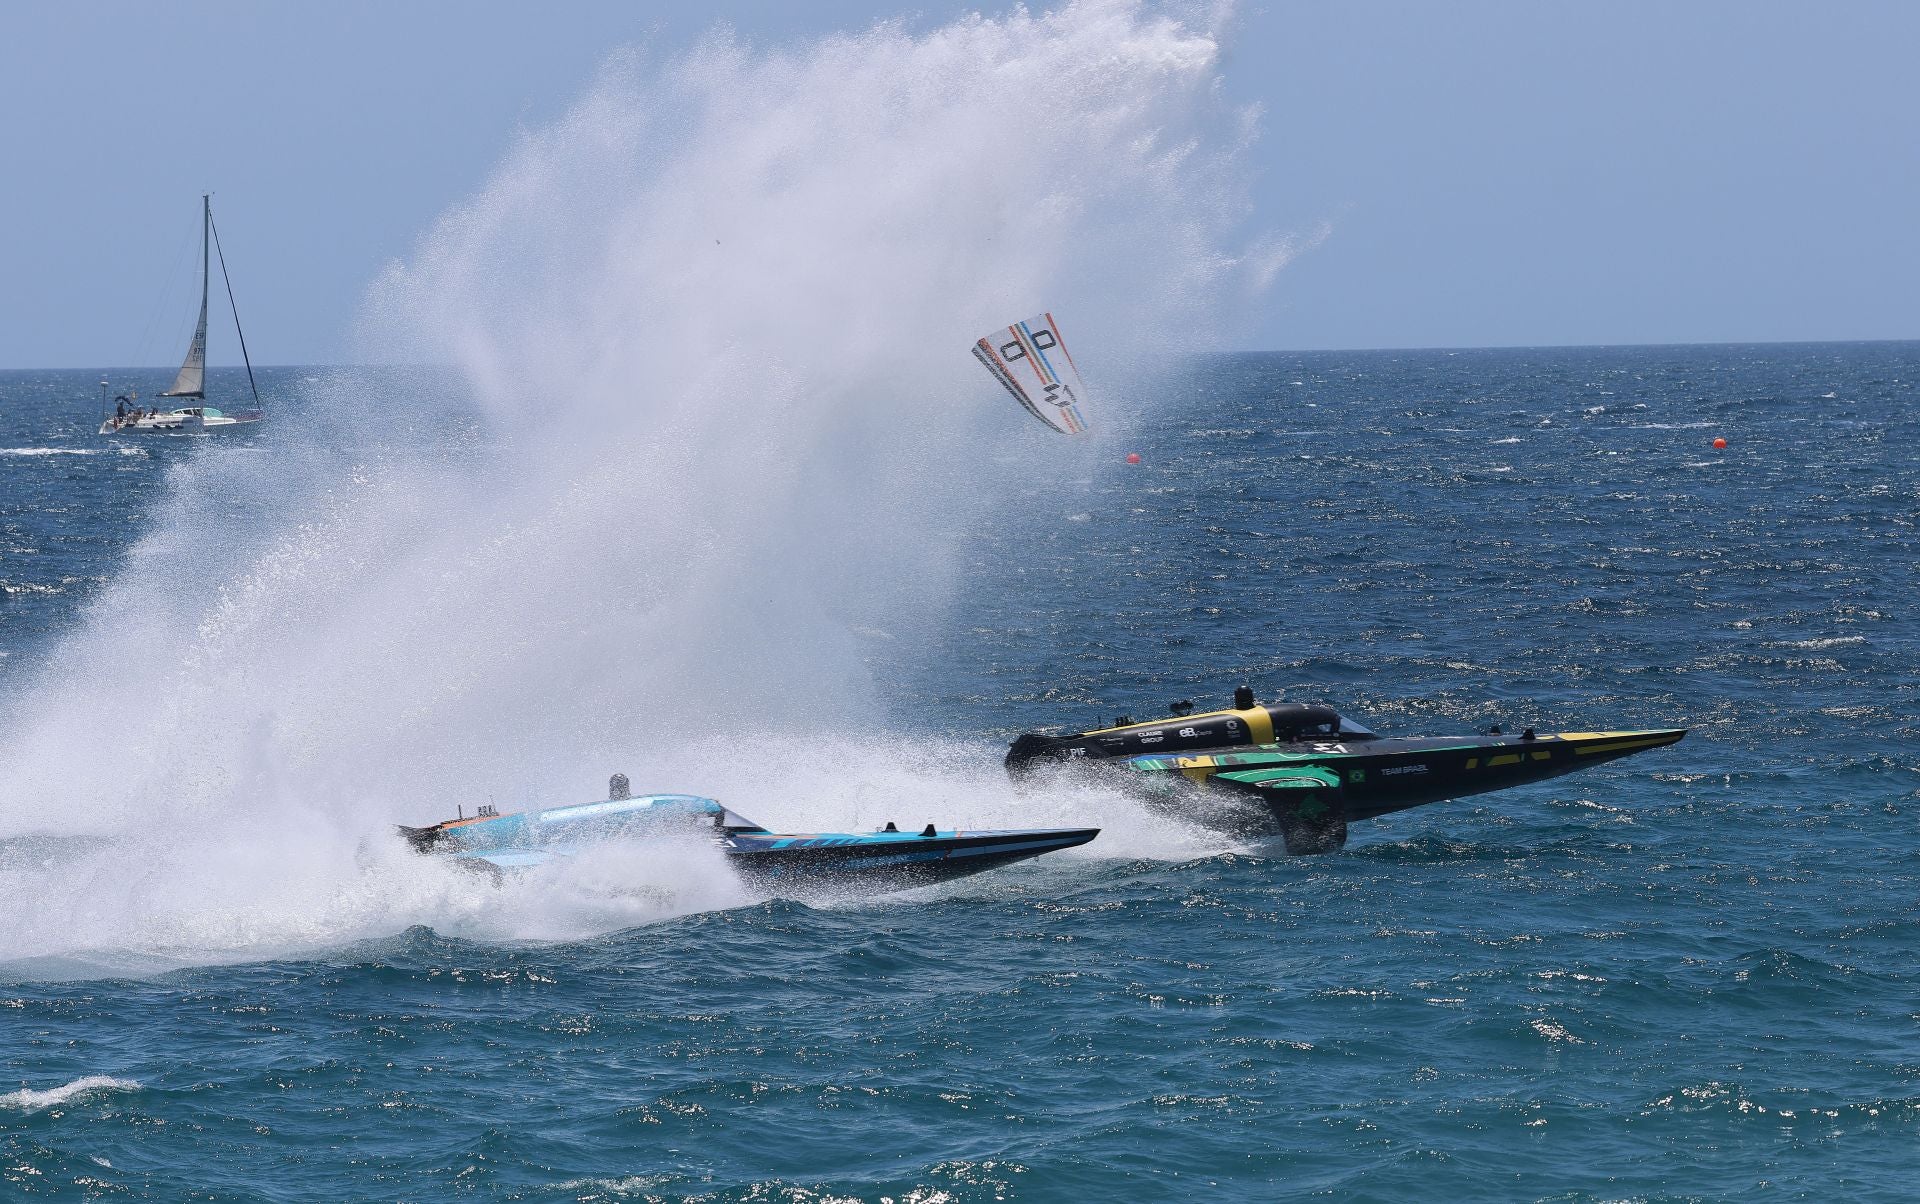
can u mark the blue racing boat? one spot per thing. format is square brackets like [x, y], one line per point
[785, 863]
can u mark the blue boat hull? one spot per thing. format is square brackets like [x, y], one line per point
[778, 862]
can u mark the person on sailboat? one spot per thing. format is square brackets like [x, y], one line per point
[120, 408]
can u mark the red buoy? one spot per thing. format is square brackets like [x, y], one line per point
[1719, 444]
[1133, 457]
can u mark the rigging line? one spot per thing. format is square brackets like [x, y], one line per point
[231, 304]
[163, 300]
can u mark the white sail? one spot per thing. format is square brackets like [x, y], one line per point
[193, 373]
[1030, 360]
[192, 380]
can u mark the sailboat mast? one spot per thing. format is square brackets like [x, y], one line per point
[206, 224]
[235, 307]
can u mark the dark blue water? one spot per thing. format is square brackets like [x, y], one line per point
[1682, 976]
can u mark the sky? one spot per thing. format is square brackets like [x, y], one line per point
[1473, 174]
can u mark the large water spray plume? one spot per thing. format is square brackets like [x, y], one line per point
[710, 333]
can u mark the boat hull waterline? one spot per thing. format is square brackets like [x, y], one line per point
[1304, 773]
[189, 421]
[779, 863]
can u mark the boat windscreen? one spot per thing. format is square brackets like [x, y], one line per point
[1354, 730]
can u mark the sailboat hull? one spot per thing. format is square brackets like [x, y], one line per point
[177, 422]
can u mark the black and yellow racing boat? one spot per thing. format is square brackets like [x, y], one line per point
[1303, 773]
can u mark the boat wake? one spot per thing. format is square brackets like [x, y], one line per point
[297, 882]
[716, 419]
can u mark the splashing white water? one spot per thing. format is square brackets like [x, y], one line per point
[715, 324]
[28, 1100]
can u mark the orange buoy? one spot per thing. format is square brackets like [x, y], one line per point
[1133, 457]
[1719, 444]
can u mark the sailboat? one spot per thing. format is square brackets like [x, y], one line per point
[191, 382]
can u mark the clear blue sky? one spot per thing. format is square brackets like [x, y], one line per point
[1489, 173]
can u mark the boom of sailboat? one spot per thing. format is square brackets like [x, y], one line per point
[130, 418]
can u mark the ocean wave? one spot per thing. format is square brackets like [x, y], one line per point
[28, 1100]
[1556, 1033]
[49, 451]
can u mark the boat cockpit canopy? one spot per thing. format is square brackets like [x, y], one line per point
[1293, 722]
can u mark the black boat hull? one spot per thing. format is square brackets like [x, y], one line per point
[796, 863]
[1322, 773]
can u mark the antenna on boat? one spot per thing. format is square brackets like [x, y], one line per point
[207, 200]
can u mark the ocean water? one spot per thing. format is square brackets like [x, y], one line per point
[1686, 975]
[703, 486]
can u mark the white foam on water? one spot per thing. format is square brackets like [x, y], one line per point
[28, 1100]
[715, 324]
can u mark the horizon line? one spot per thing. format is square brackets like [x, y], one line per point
[1434, 347]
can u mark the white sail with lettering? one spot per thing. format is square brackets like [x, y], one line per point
[193, 374]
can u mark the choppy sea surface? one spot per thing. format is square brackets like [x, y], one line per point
[1686, 975]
